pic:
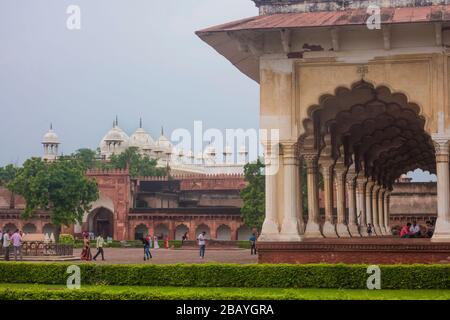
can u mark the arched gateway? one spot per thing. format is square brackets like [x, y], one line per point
[101, 222]
[358, 105]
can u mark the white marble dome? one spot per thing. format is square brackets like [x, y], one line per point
[141, 139]
[50, 137]
[165, 145]
[114, 142]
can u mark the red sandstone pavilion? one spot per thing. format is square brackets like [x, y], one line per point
[360, 102]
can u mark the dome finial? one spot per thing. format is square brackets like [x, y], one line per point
[162, 130]
[140, 122]
[117, 120]
[51, 126]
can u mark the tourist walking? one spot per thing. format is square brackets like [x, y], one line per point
[16, 239]
[6, 244]
[202, 244]
[166, 241]
[100, 244]
[86, 254]
[253, 244]
[184, 238]
[147, 242]
[155, 242]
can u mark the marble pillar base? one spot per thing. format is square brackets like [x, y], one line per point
[329, 230]
[354, 230]
[269, 231]
[441, 231]
[313, 230]
[377, 230]
[342, 230]
[290, 237]
[363, 231]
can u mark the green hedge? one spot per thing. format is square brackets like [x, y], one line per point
[230, 275]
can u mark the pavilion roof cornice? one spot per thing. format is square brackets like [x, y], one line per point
[350, 17]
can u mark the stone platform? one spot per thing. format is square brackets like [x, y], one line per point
[354, 251]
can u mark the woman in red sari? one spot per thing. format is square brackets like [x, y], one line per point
[86, 253]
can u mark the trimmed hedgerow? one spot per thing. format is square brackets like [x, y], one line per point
[231, 275]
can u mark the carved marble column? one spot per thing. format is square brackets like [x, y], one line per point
[442, 227]
[289, 227]
[270, 228]
[299, 195]
[352, 207]
[313, 225]
[381, 211]
[341, 226]
[328, 229]
[375, 217]
[387, 217]
[369, 188]
[361, 182]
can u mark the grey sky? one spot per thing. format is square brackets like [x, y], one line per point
[131, 58]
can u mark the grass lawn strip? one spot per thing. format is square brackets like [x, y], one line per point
[88, 292]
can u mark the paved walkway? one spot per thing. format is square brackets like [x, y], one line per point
[164, 256]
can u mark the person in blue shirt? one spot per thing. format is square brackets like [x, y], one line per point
[253, 244]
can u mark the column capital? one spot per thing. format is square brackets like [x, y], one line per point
[311, 161]
[326, 167]
[441, 147]
[375, 189]
[370, 183]
[361, 181]
[289, 149]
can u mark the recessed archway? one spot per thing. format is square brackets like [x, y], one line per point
[161, 231]
[224, 233]
[101, 222]
[180, 231]
[203, 228]
[364, 137]
[29, 228]
[140, 231]
[244, 233]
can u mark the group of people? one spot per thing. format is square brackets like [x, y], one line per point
[14, 240]
[86, 254]
[415, 231]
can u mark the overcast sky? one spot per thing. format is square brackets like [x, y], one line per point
[131, 58]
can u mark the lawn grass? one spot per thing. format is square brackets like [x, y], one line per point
[89, 292]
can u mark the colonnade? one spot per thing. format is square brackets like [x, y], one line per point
[360, 201]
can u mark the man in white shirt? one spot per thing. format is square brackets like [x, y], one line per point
[6, 244]
[202, 243]
[16, 239]
[415, 229]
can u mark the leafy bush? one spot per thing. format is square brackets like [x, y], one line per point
[66, 239]
[230, 275]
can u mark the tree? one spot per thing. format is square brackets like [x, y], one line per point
[253, 196]
[87, 157]
[60, 187]
[138, 164]
[7, 174]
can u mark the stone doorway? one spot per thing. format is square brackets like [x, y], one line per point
[101, 222]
